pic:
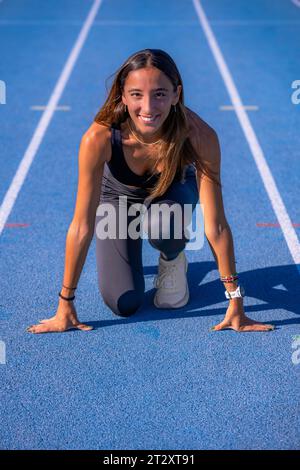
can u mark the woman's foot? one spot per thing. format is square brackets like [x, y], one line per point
[171, 282]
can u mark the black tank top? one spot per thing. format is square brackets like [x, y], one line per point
[121, 171]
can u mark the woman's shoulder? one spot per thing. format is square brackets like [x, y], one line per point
[100, 136]
[198, 127]
[202, 136]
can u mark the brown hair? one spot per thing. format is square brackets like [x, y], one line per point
[176, 149]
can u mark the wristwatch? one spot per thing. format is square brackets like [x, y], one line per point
[239, 292]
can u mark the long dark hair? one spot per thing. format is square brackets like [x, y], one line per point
[176, 149]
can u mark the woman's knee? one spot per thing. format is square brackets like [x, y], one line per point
[127, 304]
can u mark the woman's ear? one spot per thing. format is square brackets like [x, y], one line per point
[178, 92]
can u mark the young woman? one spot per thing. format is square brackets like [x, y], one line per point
[146, 147]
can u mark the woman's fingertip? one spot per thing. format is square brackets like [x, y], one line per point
[86, 327]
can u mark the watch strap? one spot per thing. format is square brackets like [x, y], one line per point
[239, 292]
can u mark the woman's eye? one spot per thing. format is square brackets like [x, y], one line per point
[138, 94]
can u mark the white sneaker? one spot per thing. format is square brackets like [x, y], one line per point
[171, 281]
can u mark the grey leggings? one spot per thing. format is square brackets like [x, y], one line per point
[119, 261]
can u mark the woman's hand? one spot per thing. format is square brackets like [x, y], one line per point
[236, 319]
[64, 319]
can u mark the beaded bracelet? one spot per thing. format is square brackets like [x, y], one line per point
[231, 278]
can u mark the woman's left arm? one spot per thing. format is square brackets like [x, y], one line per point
[218, 233]
[216, 227]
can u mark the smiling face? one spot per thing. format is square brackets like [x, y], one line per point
[148, 93]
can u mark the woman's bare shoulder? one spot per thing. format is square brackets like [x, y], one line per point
[99, 136]
[197, 125]
[203, 137]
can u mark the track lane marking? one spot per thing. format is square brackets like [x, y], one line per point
[249, 133]
[31, 151]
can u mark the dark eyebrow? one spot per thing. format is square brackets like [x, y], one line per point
[157, 89]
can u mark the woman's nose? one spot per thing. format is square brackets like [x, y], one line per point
[148, 107]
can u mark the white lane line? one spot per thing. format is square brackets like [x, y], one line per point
[245, 106]
[262, 166]
[58, 108]
[24, 166]
[296, 2]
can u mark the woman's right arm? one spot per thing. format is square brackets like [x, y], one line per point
[93, 153]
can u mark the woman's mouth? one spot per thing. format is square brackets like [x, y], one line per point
[149, 120]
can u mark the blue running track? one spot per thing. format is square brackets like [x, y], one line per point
[160, 379]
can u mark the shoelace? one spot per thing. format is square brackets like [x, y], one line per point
[166, 277]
